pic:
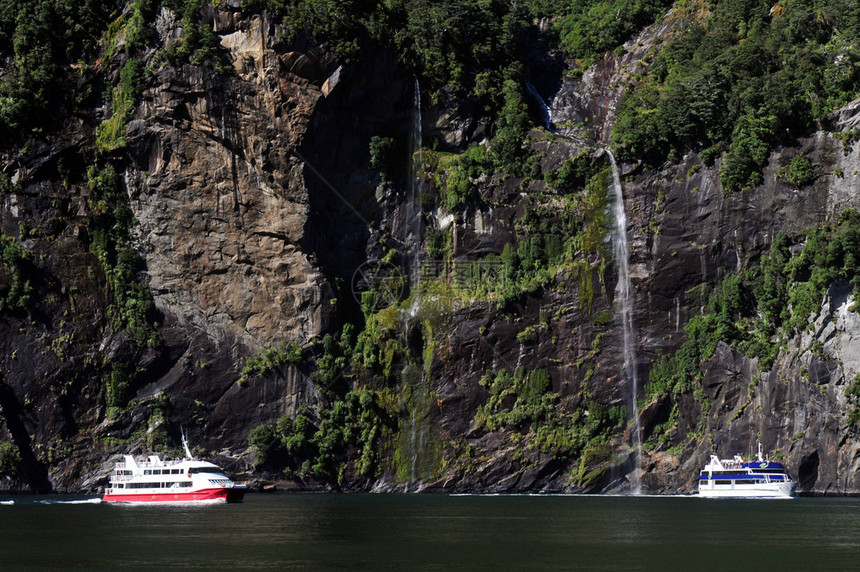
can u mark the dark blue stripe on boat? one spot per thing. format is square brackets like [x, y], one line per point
[739, 476]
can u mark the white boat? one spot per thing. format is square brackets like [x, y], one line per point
[736, 478]
[183, 480]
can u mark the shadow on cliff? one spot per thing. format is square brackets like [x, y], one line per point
[347, 207]
[33, 472]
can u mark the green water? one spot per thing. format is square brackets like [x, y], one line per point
[434, 532]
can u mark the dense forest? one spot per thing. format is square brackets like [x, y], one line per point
[719, 86]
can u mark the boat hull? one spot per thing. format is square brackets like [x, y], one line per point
[763, 491]
[232, 494]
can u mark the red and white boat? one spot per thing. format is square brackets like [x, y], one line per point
[177, 481]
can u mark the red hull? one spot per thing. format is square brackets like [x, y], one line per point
[236, 494]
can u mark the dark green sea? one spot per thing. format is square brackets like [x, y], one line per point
[433, 532]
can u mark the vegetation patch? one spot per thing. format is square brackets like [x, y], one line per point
[15, 284]
[739, 78]
[268, 359]
[109, 228]
[799, 172]
[758, 310]
[331, 444]
[42, 40]
[852, 394]
[10, 460]
[110, 134]
[523, 402]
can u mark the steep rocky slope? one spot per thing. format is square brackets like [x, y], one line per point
[255, 204]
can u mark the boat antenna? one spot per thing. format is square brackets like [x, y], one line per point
[185, 444]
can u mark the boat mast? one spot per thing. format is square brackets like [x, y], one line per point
[185, 445]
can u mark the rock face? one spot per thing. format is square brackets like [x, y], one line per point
[219, 193]
[255, 206]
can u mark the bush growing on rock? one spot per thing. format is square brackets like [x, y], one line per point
[268, 359]
[10, 459]
[799, 172]
[15, 285]
[354, 424]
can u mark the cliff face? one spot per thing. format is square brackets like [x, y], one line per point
[254, 205]
[222, 208]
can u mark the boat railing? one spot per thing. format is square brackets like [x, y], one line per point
[148, 464]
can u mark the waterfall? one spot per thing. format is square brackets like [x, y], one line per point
[623, 291]
[544, 108]
[413, 199]
[413, 445]
[413, 439]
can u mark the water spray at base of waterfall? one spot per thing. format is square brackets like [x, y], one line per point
[624, 294]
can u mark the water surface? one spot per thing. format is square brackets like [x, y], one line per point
[433, 532]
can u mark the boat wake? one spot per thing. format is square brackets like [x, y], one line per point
[204, 502]
[95, 500]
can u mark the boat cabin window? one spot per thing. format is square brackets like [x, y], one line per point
[723, 482]
[195, 470]
[157, 485]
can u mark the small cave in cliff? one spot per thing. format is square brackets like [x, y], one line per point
[807, 472]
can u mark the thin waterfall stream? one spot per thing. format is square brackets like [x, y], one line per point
[414, 431]
[624, 294]
[413, 215]
[546, 117]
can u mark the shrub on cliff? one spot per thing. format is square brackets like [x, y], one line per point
[799, 172]
[268, 359]
[852, 395]
[382, 155]
[15, 285]
[347, 438]
[10, 460]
